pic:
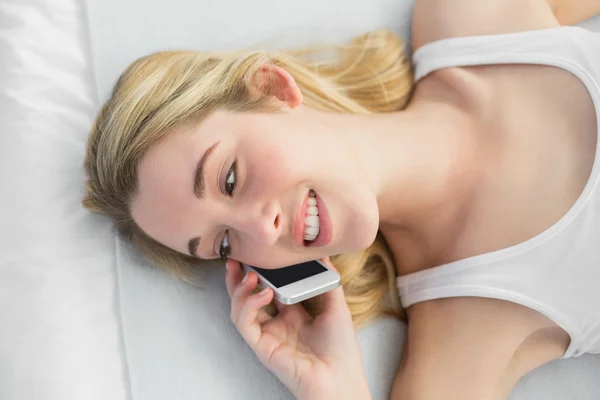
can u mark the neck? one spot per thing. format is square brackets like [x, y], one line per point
[416, 161]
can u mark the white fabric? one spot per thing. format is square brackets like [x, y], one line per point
[59, 305]
[179, 340]
[59, 328]
[556, 273]
[122, 31]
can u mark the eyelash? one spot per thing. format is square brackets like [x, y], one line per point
[225, 248]
[230, 187]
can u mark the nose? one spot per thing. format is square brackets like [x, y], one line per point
[262, 223]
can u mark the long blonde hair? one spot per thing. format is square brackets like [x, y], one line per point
[167, 89]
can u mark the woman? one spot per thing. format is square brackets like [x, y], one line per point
[480, 197]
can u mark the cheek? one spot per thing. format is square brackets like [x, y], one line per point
[272, 257]
[270, 168]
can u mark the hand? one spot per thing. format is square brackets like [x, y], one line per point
[316, 358]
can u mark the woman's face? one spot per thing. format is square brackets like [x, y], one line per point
[249, 198]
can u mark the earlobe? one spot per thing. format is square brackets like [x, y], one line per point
[272, 80]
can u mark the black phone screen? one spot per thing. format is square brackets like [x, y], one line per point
[284, 276]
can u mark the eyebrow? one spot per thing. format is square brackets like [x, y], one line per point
[193, 246]
[199, 185]
[200, 172]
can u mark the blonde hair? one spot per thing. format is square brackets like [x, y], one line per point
[167, 89]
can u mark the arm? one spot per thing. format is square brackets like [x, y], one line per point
[569, 12]
[439, 19]
[449, 353]
[470, 348]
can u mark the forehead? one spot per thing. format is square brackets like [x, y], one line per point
[166, 174]
[161, 166]
[165, 177]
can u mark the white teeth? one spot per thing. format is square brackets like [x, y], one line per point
[310, 230]
[312, 210]
[312, 220]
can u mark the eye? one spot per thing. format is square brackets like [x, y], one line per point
[224, 249]
[230, 180]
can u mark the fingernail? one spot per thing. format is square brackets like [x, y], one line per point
[245, 279]
[227, 267]
[263, 292]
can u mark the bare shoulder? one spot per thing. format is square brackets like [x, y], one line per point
[439, 19]
[472, 348]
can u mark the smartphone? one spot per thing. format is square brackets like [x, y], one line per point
[298, 282]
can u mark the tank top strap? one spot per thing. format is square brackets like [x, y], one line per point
[525, 47]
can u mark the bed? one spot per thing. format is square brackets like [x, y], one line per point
[82, 315]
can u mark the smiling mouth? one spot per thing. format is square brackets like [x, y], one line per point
[311, 219]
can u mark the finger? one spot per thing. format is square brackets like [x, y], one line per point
[296, 310]
[327, 261]
[233, 275]
[241, 294]
[248, 321]
[334, 300]
[280, 306]
[242, 289]
[263, 317]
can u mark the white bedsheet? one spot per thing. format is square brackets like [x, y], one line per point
[179, 341]
[81, 315]
[60, 335]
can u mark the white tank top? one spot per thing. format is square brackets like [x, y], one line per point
[556, 273]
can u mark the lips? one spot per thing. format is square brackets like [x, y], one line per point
[298, 227]
[325, 235]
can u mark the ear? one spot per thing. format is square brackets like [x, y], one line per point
[271, 80]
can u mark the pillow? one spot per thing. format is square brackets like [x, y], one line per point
[178, 340]
[60, 335]
[122, 31]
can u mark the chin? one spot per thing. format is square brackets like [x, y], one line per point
[363, 237]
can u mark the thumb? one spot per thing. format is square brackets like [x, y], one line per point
[333, 300]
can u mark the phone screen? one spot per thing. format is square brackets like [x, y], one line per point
[284, 276]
